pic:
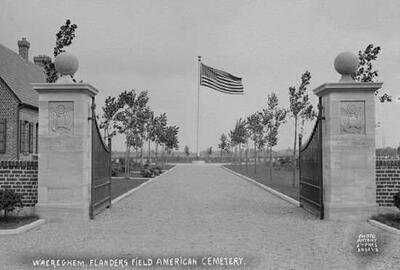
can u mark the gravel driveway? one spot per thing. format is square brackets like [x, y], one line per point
[204, 212]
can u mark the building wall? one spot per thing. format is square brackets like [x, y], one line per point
[387, 181]
[22, 177]
[30, 116]
[9, 111]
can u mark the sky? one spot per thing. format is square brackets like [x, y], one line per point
[153, 45]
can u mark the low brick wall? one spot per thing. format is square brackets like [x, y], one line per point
[22, 177]
[387, 181]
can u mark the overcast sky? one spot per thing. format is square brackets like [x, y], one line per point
[153, 45]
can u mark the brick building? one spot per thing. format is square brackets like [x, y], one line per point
[19, 102]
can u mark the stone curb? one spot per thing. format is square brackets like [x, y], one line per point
[24, 228]
[114, 201]
[382, 226]
[273, 191]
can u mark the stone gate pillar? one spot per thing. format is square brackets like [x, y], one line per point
[64, 179]
[349, 188]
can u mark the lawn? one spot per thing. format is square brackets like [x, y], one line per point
[392, 219]
[14, 222]
[135, 173]
[120, 186]
[281, 178]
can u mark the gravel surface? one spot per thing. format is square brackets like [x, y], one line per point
[203, 210]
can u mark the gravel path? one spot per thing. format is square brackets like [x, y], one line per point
[198, 211]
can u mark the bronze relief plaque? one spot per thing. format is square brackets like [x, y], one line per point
[352, 117]
[61, 117]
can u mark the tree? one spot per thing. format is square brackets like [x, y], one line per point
[300, 109]
[160, 124]
[255, 129]
[365, 71]
[233, 144]
[171, 138]
[143, 120]
[187, 152]
[129, 118]
[273, 117]
[64, 38]
[224, 144]
[149, 131]
[239, 136]
[135, 141]
[110, 109]
[209, 152]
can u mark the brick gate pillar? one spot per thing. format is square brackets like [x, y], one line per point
[349, 188]
[64, 177]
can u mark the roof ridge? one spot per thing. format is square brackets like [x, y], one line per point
[29, 62]
[19, 73]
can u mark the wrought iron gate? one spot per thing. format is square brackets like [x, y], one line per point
[310, 169]
[101, 170]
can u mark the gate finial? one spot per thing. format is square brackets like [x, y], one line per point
[66, 64]
[345, 64]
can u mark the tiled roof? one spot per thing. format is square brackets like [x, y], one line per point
[19, 74]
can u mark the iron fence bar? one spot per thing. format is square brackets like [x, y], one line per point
[311, 185]
[102, 201]
[102, 184]
[313, 211]
[91, 211]
[109, 171]
[320, 112]
[300, 171]
[310, 201]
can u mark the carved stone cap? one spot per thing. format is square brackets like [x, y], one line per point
[66, 64]
[65, 88]
[347, 87]
[345, 64]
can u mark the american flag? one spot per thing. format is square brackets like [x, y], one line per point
[220, 80]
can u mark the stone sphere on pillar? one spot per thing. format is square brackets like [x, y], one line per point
[66, 64]
[345, 64]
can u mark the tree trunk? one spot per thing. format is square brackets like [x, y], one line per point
[148, 158]
[236, 155]
[221, 155]
[255, 157]
[127, 158]
[141, 153]
[162, 155]
[270, 163]
[265, 158]
[294, 152]
[240, 154]
[156, 157]
[246, 151]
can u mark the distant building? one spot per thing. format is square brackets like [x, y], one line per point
[19, 102]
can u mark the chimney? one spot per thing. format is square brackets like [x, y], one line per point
[41, 60]
[23, 48]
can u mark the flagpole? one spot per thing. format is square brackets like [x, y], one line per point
[198, 109]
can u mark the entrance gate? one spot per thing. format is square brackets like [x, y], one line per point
[310, 169]
[101, 170]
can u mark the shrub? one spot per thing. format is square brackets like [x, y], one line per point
[9, 201]
[396, 199]
[146, 173]
[155, 171]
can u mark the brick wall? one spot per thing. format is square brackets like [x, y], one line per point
[22, 177]
[387, 181]
[9, 111]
